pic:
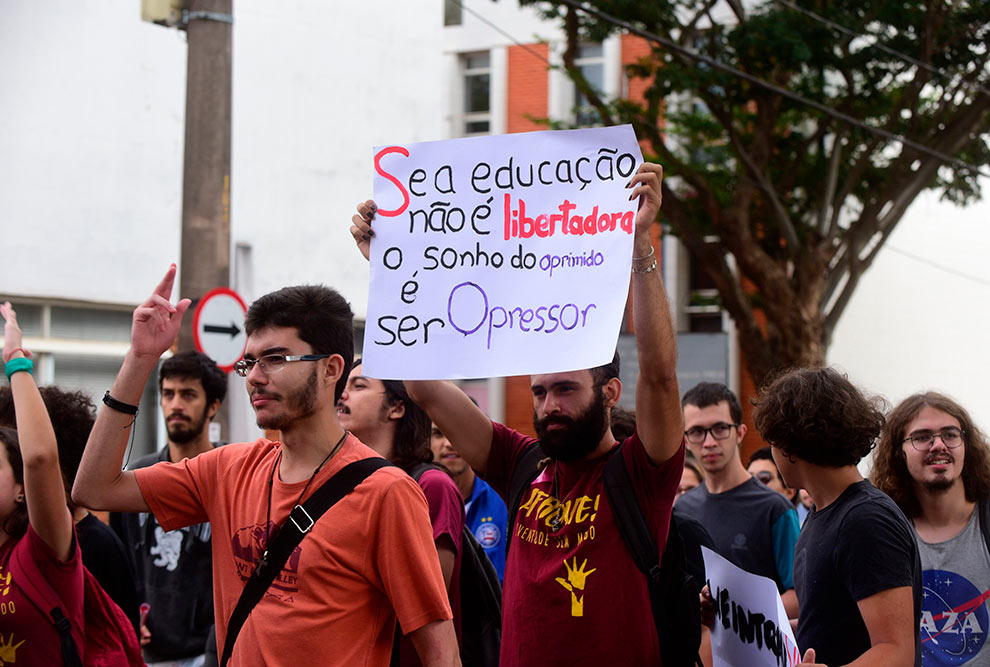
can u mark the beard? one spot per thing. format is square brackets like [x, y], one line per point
[939, 484]
[182, 433]
[299, 404]
[580, 435]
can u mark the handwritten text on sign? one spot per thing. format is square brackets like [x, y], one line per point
[500, 255]
[751, 626]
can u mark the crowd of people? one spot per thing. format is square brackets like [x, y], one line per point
[343, 542]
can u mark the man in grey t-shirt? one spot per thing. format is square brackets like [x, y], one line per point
[751, 525]
[935, 464]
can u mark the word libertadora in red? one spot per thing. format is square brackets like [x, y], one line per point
[544, 225]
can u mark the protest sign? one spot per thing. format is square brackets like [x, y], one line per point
[751, 626]
[502, 255]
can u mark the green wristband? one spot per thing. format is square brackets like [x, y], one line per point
[18, 364]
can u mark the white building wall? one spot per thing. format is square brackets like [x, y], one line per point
[92, 107]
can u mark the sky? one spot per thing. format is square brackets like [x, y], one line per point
[920, 317]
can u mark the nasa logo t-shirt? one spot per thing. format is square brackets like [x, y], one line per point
[955, 588]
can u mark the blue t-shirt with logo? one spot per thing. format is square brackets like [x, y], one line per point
[486, 516]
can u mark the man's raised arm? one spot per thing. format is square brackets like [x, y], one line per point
[100, 483]
[658, 405]
[463, 423]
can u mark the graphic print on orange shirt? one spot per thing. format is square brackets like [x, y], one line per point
[249, 543]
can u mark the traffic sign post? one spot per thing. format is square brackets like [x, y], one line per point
[218, 327]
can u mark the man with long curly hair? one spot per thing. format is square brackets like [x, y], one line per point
[934, 462]
[856, 567]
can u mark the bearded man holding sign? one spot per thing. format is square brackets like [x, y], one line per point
[572, 593]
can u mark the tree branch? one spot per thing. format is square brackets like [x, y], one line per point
[834, 159]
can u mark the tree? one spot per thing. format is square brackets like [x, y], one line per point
[784, 205]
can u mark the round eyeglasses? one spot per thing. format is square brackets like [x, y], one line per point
[922, 441]
[272, 363]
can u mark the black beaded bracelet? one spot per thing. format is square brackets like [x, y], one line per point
[119, 406]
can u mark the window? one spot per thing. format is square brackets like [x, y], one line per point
[590, 61]
[704, 307]
[453, 13]
[477, 93]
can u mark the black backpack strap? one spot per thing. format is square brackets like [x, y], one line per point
[629, 518]
[301, 519]
[662, 584]
[526, 470]
[418, 469]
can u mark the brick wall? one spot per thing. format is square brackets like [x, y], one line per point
[528, 88]
[519, 404]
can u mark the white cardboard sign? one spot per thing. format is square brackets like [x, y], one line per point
[751, 626]
[501, 255]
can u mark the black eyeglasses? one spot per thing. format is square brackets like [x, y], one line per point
[272, 363]
[922, 441]
[720, 431]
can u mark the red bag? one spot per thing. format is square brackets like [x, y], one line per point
[109, 638]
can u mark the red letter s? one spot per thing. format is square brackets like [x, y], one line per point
[393, 179]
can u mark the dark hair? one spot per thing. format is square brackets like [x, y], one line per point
[72, 414]
[819, 416]
[320, 314]
[622, 422]
[766, 454]
[890, 473]
[706, 394]
[602, 374]
[15, 525]
[761, 454]
[412, 435]
[195, 365]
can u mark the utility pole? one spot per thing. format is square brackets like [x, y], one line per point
[205, 259]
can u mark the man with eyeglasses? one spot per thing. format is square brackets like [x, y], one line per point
[368, 561]
[934, 462]
[752, 526]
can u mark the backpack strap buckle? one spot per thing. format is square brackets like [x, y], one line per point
[62, 624]
[305, 518]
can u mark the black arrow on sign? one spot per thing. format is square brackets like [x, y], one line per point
[213, 328]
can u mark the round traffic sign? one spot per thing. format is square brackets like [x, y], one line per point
[218, 327]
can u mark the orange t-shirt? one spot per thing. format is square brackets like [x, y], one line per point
[369, 559]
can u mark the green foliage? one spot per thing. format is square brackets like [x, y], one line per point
[802, 200]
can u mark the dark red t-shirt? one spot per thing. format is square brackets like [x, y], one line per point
[447, 517]
[575, 596]
[26, 635]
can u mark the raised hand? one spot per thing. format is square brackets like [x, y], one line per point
[156, 322]
[11, 333]
[646, 185]
[361, 229]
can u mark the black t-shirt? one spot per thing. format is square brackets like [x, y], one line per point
[856, 547]
[104, 555]
[694, 536]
